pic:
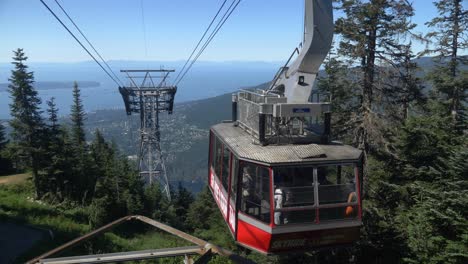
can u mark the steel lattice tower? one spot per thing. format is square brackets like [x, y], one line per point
[149, 96]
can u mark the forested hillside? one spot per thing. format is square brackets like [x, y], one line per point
[407, 115]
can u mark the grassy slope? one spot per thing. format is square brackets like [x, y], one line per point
[17, 207]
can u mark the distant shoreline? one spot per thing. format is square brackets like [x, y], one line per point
[56, 85]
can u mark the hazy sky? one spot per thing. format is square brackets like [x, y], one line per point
[259, 30]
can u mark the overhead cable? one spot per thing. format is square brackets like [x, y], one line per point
[79, 42]
[143, 23]
[215, 31]
[90, 44]
[198, 44]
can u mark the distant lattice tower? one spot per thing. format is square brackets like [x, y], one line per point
[149, 96]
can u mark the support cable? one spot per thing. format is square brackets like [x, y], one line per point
[201, 39]
[212, 35]
[79, 42]
[144, 28]
[90, 44]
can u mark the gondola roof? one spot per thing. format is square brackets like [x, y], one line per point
[243, 145]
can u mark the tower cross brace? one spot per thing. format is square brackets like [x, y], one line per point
[149, 95]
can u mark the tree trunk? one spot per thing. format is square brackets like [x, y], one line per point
[367, 91]
[453, 61]
[35, 175]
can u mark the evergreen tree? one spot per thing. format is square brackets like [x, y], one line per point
[337, 84]
[207, 222]
[77, 117]
[371, 32]
[5, 163]
[83, 169]
[117, 189]
[449, 37]
[432, 217]
[182, 201]
[404, 89]
[57, 155]
[26, 121]
[52, 112]
[3, 140]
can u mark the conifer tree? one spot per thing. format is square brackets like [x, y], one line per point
[83, 177]
[3, 140]
[26, 121]
[52, 111]
[448, 38]
[404, 90]
[77, 116]
[5, 163]
[433, 202]
[182, 200]
[57, 155]
[371, 32]
[338, 85]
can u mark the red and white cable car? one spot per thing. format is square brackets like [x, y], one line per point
[288, 197]
[280, 184]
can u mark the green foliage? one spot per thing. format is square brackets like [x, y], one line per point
[372, 33]
[5, 162]
[448, 38]
[116, 190]
[415, 190]
[338, 85]
[77, 116]
[3, 140]
[205, 219]
[182, 201]
[433, 171]
[17, 206]
[26, 121]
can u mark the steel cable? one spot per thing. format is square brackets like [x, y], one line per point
[79, 42]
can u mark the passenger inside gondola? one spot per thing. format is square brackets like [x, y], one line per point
[256, 192]
[295, 194]
[297, 191]
[336, 187]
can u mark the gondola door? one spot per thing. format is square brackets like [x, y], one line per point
[233, 195]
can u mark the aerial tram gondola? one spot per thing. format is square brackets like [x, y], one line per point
[280, 183]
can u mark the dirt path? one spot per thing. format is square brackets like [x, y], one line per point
[16, 178]
[16, 239]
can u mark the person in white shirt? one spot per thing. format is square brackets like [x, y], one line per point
[278, 204]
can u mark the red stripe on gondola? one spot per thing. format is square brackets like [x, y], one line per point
[252, 236]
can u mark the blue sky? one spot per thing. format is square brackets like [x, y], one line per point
[259, 30]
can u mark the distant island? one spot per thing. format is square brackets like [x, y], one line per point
[56, 85]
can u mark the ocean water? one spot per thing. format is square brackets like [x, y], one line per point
[206, 80]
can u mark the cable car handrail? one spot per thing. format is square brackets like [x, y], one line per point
[309, 207]
[336, 205]
[259, 205]
[251, 102]
[297, 187]
[259, 94]
[341, 184]
[296, 208]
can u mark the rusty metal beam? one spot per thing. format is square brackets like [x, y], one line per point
[80, 239]
[127, 256]
[172, 230]
[203, 248]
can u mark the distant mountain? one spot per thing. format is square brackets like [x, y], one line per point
[56, 85]
[205, 79]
